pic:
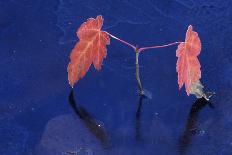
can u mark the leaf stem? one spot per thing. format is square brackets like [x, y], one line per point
[122, 41]
[141, 92]
[159, 46]
[137, 51]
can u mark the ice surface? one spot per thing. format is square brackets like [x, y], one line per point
[36, 38]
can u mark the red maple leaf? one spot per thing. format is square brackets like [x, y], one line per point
[91, 48]
[188, 65]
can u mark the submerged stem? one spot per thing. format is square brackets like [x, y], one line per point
[141, 92]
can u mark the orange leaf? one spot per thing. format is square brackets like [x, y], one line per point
[188, 65]
[91, 48]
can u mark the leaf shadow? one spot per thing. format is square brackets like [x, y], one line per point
[94, 125]
[138, 136]
[191, 127]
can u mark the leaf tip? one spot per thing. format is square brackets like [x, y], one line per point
[99, 17]
[71, 83]
[190, 27]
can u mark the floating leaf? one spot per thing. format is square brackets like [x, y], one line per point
[91, 48]
[188, 65]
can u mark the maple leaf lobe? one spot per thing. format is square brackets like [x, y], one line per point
[90, 49]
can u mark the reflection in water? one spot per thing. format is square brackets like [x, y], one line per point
[91, 123]
[191, 126]
[138, 122]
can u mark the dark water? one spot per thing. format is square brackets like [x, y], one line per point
[40, 115]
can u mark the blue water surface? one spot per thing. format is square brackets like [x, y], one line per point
[104, 115]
